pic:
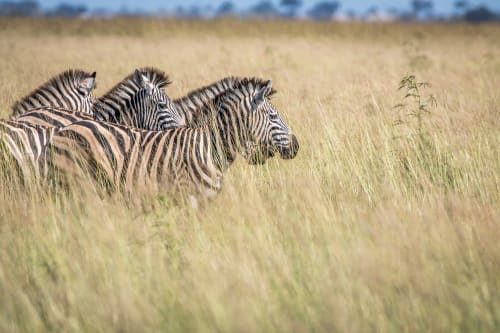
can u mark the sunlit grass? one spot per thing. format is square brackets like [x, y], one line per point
[362, 231]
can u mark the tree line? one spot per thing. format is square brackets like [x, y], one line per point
[288, 9]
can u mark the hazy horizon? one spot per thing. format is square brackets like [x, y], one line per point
[440, 7]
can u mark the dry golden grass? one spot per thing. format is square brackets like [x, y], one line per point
[361, 232]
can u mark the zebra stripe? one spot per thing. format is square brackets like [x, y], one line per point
[193, 159]
[71, 90]
[138, 101]
[23, 145]
[52, 117]
[128, 102]
[197, 102]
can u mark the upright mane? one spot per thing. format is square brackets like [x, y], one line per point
[221, 84]
[256, 83]
[71, 77]
[252, 83]
[154, 75]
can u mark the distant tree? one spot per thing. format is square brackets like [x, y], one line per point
[394, 11]
[22, 8]
[104, 12]
[323, 10]
[460, 7]
[68, 10]
[351, 13]
[422, 8]
[291, 7]
[461, 4]
[372, 10]
[480, 14]
[264, 9]
[227, 8]
[194, 12]
[180, 11]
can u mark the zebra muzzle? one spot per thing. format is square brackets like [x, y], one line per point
[291, 151]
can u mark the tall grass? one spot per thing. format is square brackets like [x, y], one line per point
[361, 232]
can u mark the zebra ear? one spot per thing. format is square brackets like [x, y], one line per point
[88, 84]
[143, 81]
[260, 97]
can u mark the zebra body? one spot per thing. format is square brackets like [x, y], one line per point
[192, 159]
[71, 90]
[23, 145]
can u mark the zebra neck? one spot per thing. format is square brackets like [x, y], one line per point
[108, 110]
[204, 97]
[226, 138]
[198, 104]
[222, 154]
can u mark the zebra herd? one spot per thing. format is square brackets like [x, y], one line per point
[135, 137]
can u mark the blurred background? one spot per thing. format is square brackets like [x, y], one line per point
[354, 10]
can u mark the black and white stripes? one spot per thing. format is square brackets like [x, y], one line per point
[135, 137]
[128, 102]
[191, 159]
[22, 147]
[71, 90]
[195, 105]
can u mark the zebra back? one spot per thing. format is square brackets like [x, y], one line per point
[140, 101]
[71, 90]
[51, 117]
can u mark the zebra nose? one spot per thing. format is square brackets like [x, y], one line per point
[292, 150]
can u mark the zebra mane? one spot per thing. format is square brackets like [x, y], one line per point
[71, 76]
[225, 82]
[252, 83]
[157, 78]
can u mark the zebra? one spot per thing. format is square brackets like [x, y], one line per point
[138, 101]
[21, 148]
[127, 102]
[23, 141]
[71, 90]
[187, 159]
[197, 102]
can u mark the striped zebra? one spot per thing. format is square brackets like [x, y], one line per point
[195, 105]
[71, 90]
[21, 147]
[138, 101]
[192, 159]
[128, 103]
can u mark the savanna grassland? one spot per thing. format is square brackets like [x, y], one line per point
[384, 221]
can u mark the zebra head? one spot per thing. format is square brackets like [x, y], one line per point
[153, 108]
[269, 133]
[84, 86]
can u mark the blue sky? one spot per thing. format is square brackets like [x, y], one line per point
[441, 6]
